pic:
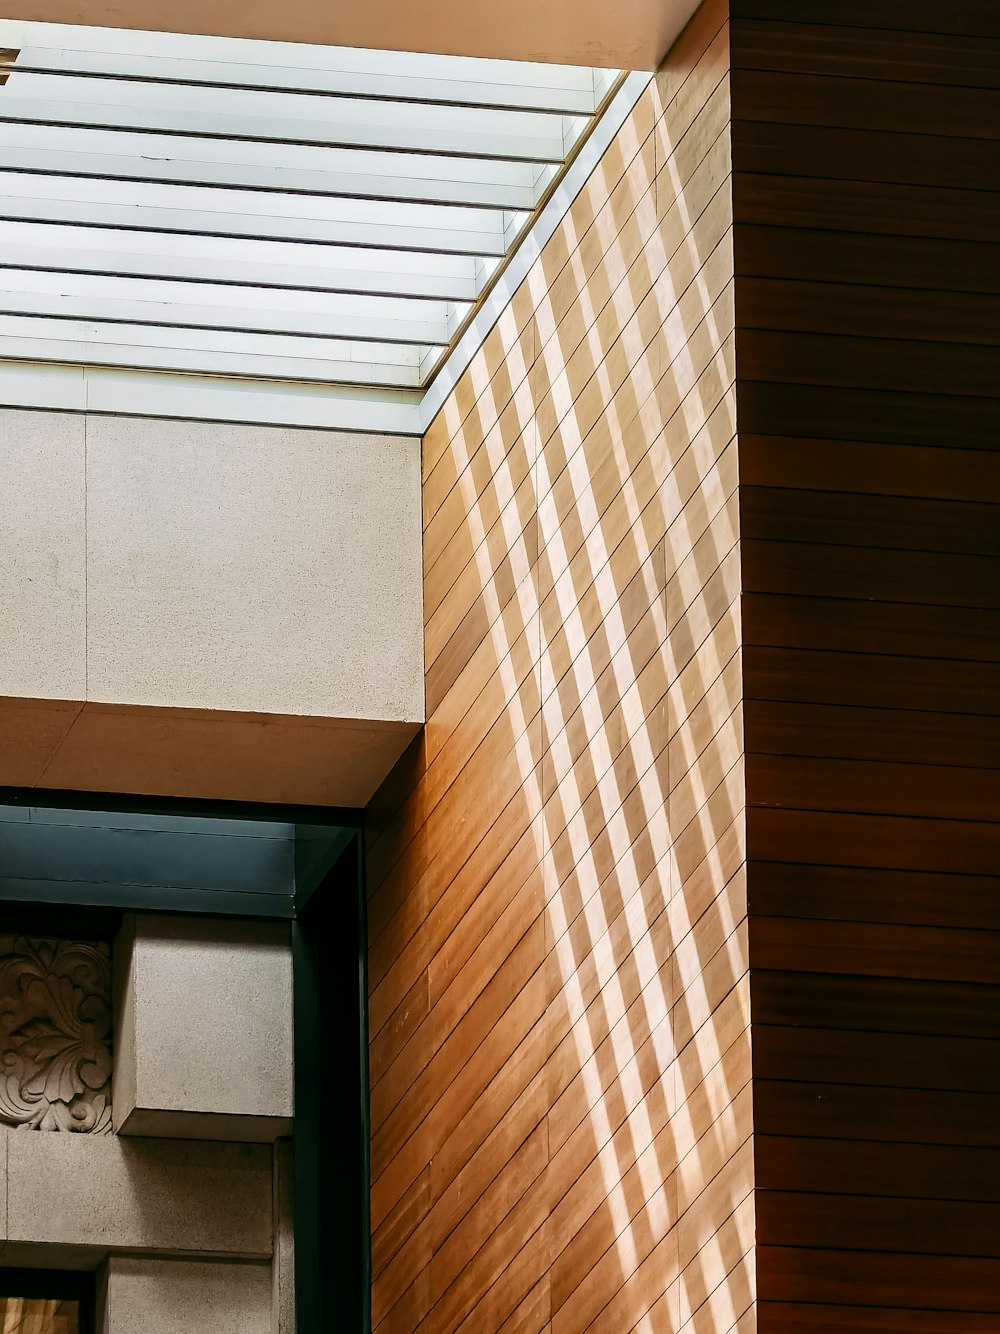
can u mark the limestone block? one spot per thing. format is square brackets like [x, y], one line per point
[90, 1194]
[254, 568]
[147, 1296]
[203, 1044]
[43, 555]
[206, 609]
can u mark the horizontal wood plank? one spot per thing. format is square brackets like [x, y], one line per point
[854, 1056]
[976, 18]
[918, 1116]
[871, 1222]
[847, 894]
[877, 1004]
[890, 54]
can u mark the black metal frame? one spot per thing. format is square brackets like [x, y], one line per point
[325, 905]
[332, 1119]
[53, 1285]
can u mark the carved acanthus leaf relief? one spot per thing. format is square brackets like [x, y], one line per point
[55, 1026]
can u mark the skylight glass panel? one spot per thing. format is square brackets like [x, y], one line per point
[264, 209]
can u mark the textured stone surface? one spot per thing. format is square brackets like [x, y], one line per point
[147, 1296]
[254, 568]
[209, 610]
[283, 1263]
[42, 555]
[55, 1031]
[101, 1193]
[204, 1016]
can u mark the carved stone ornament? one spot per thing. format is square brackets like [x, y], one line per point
[55, 1025]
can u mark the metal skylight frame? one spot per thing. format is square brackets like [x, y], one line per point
[266, 211]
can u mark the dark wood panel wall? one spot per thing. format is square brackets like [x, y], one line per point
[866, 155]
[560, 1051]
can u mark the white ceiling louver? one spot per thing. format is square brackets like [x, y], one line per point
[262, 209]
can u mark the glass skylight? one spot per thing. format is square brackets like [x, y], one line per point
[265, 209]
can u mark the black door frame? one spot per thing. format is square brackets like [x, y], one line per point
[332, 1116]
[325, 907]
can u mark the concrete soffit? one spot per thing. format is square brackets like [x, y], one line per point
[219, 230]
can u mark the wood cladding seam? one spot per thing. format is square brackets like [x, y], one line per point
[473, 878]
[423, 1096]
[466, 1017]
[458, 1126]
[465, 716]
[696, 388]
[674, 234]
[560, 479]
[663, 386]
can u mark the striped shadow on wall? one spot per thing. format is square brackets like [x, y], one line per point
[557, 914]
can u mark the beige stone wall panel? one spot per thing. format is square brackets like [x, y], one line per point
[73, 1198]
[42, 555]
[147, 1296]
[204, 1029]
[207, 610]
[253, 568]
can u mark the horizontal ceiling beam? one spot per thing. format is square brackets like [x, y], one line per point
[206, 306]
[269, 357]
[562, 90]
[263, 264]
[286, 118]
[377, 60]
[205, 211]
[323, 172]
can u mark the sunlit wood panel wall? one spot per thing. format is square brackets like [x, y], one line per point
[867, 246]
[561, 1128]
